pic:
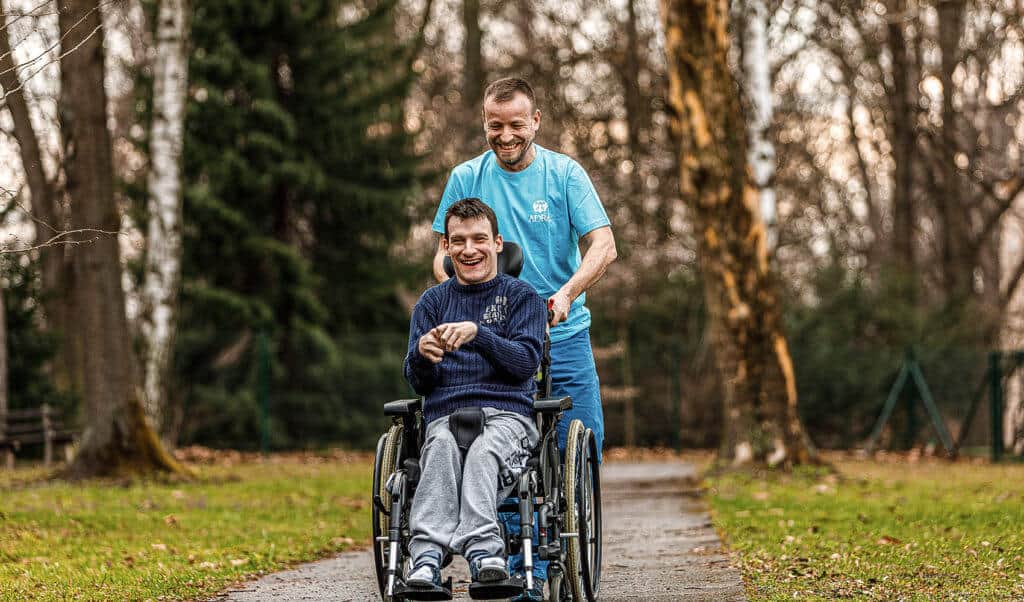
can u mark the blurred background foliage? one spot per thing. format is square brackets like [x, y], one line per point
[319, 134]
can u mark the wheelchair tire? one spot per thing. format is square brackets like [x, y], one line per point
[590, 517]
[574, 449]
[388, 450]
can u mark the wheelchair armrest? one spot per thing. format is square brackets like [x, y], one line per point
[402, 407]
[552, 404]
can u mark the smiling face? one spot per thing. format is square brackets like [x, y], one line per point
[473, 248]
[510, 127]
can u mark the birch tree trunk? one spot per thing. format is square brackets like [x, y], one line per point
[761, 424]
[117, 439]
[758, 84]
[163, 238]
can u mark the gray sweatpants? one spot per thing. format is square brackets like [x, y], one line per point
[456, 501]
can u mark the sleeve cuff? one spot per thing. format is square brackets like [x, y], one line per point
[420, 364]
[485, 337]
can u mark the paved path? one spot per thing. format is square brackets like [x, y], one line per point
[658, 546]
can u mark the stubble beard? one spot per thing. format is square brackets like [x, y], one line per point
[513, 165]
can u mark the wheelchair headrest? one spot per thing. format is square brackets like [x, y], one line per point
[510, 261]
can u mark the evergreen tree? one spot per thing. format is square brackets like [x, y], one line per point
[297, 176]
[30, 348]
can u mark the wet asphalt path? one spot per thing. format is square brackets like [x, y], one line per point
[659, 545]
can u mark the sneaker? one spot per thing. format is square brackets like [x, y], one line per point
[491, 568]
[532, 595]
[425, 575]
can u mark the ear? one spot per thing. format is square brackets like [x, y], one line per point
[499, 244]
[444, 241]
[536, 119]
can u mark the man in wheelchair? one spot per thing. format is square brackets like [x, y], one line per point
[441, 468]
[475, 345]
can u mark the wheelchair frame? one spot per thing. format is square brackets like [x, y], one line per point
[566, 496]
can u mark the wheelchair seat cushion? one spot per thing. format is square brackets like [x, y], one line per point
[466, 424]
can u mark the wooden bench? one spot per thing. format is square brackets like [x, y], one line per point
[35, 426]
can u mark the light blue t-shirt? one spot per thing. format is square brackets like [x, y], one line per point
[545, 209]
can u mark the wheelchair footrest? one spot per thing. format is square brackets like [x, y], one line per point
[495, 590]
[442, 592]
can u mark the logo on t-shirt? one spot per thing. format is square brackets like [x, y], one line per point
[497, 311]
[540, 212]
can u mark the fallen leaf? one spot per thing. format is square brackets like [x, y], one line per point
[886, 540]
[171, 521]
[239, 561]
[159, 546]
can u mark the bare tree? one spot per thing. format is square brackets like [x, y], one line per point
[117, 438]
[163, 239]
[761, 423]
[47, 215]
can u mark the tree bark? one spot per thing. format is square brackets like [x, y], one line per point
[901, 109]
[163, 240]
[761, 424]
[117, 439]
[473, 72]
[48, 220]
[957, 267]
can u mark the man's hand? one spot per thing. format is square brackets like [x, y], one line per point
[559, 304]
[430, 347]
[453, 335]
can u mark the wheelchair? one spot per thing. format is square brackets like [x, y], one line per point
[562, 490]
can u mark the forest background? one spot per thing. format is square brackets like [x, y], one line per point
[316, 140]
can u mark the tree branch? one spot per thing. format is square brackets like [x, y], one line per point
[58, 239]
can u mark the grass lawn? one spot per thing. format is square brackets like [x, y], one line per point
[893, 530]
[92, 541]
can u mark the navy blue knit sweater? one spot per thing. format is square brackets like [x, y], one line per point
[494, 370]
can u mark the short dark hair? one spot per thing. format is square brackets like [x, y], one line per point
[469, 209]
[504, 89]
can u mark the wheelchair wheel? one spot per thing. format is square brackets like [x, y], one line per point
[590, 513]
[582, 496]
[388, 450]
